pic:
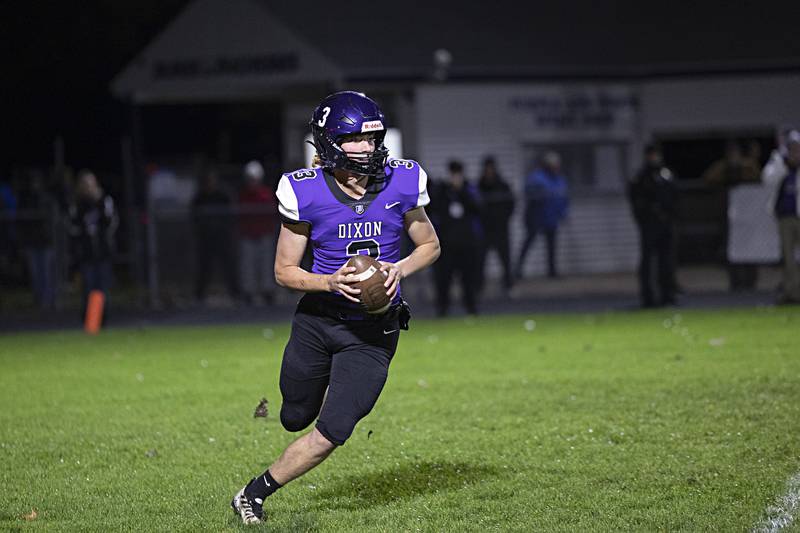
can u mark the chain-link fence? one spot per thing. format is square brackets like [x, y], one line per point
[174, 256]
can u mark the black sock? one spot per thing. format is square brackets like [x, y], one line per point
[262, 486]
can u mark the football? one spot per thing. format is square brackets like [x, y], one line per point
[370, 280]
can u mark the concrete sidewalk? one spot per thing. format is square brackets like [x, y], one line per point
[703, 288]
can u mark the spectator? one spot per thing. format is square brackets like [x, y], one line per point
[780, 173]
[455, 214]
[546, 205]
[35, 231]
[94, 222]
[653, 201]
[734, 167]
[257, 222]
[211, 211]
[498, 205]
[8, 200]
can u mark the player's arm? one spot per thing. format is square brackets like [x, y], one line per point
[426, 249]
[775, 169]
[292, 242]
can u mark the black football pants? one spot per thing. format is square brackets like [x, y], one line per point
[348, 358]
[655, 242]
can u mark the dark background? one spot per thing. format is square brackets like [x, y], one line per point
[59, 58]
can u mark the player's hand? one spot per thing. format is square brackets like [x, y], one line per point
[341, 280]
[393, 277]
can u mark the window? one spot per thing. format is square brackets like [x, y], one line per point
[588, 166]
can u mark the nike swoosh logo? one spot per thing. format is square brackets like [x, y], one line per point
[391, 205]
[388, 332]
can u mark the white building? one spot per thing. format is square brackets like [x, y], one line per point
[595, 87]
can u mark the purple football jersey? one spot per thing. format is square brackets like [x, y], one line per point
[342, 226]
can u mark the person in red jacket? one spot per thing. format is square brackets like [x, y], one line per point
[257, 223]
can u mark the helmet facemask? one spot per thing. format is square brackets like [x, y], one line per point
[332, 156]
[343, 114]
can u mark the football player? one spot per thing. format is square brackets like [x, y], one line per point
[356, 200]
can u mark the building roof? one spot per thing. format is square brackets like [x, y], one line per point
[327, 42]
[565, 38]
[223, 49]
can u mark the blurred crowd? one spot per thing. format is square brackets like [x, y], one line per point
[234, 225]
[654, 198]
[62, 233]
[41, 216]
[255, 226]
[472, 220]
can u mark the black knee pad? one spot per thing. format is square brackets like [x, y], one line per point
[296, 417]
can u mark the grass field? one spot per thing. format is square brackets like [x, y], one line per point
[624, 421]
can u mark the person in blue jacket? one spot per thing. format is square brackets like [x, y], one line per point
[546, 205]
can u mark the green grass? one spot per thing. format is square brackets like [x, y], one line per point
[624, 421]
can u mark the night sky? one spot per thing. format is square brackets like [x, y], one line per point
[58, 60]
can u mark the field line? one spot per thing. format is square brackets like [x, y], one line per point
[783, 512]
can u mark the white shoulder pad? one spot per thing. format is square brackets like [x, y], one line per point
[287, 200]
[422, 198]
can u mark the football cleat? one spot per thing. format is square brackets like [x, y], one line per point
[249, 509]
